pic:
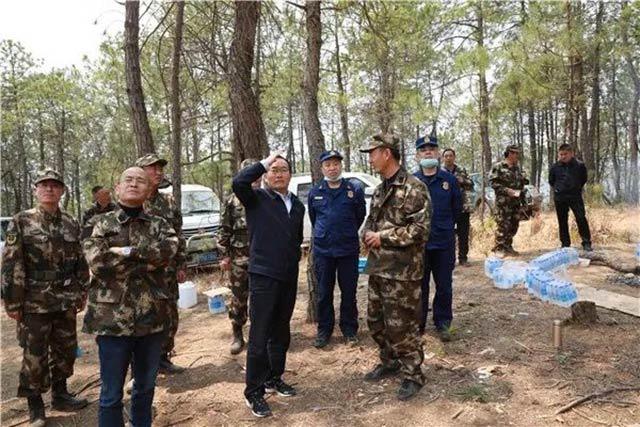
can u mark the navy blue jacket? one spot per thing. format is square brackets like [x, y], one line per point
[568, 179]
[275, 236]
[336, 215]
[446, 202]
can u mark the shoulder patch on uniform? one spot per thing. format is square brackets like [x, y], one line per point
[350, 194]
[445, 185]
[12, 237]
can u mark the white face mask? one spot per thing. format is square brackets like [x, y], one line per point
[336, 179]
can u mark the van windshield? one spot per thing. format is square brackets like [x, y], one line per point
[194, 202]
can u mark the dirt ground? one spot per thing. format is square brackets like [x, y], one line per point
[503, 333]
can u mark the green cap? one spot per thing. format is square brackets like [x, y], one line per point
[388, 140]
[48, 174]
[150, 159]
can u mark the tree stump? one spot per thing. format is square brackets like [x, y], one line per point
[584, 312]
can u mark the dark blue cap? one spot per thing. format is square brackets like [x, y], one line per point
[331, 154]
[432, 141]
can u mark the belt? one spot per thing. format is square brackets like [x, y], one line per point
[45, 275]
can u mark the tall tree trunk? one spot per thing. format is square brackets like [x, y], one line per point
[291, 150]
[614, 132]
[483, 99]
[592, 135]
[76, 187]
[176, 110]
[633, 119]
[250, 137]
[532, 143]
[139, 120]
[342, 103]
[312, 128]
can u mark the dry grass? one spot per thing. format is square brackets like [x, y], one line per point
[609, 226]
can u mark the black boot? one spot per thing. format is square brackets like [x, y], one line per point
[36, 411]
[167, 367]
[238, 340]
[62, 400]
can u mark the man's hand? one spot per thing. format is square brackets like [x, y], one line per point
[117, 250]
[81, 304]
[372, 239]
[460, 180]
[272, 158]
[15, 315]
[225, 263]
[513, 193]
[181, 275]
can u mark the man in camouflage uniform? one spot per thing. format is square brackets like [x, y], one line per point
[507, 180]
[395, 233]
[129, 298]
[43, 275]
[102, 204]
[163, 205]
[233, 247]
[463, 222]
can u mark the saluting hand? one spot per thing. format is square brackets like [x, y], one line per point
[372, 239]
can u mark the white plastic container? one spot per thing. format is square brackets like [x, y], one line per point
[188, 296]
[217, 300]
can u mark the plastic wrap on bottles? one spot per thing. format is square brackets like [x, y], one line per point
[638, 253]
[556, 260]
[510, 274]
[490, 264]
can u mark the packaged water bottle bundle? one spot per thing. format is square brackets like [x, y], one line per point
[544, 276]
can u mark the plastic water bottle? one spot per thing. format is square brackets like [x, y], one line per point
[537, 282]
[555, 260]
[510, 274]
[501, 278]
[638, 253]
[490, 264]
[566, 293]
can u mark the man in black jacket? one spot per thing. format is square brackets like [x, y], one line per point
[275, 221]
[567, 178]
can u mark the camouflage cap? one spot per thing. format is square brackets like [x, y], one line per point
[512, 147]
[48, 174]
[150, 159]
[382, 139]
[247, 162]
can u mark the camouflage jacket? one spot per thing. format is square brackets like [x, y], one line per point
[128, 294]
[466, 186]
[164, 205]
[504, 177]
[43, 269]
[401, 214]
[233, 235]
[94, 210]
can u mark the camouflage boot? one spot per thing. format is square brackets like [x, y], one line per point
[36, 411]
[64, 401]
[238, 341]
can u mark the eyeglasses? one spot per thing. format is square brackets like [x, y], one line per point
[277, 171]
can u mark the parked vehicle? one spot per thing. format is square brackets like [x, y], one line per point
[4, 223]
[301, 184]
[200, 222]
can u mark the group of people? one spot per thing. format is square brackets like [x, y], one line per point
[125, 260]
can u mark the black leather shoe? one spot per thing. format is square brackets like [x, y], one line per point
[259, 407]
[62, 400]
[36, 411]
[587, 247]
[351, 339]
[167, 367]
[444, 334]
[408, 389]
[321, 341]
[381, 371]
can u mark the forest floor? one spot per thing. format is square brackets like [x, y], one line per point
[500, 369]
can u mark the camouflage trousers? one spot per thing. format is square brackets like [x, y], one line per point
[392, 319]
[174, 318]
[49, 344]
[507, 222]
[239, 285]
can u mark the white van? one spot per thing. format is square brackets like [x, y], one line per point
[200, 222]
[300, 185]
